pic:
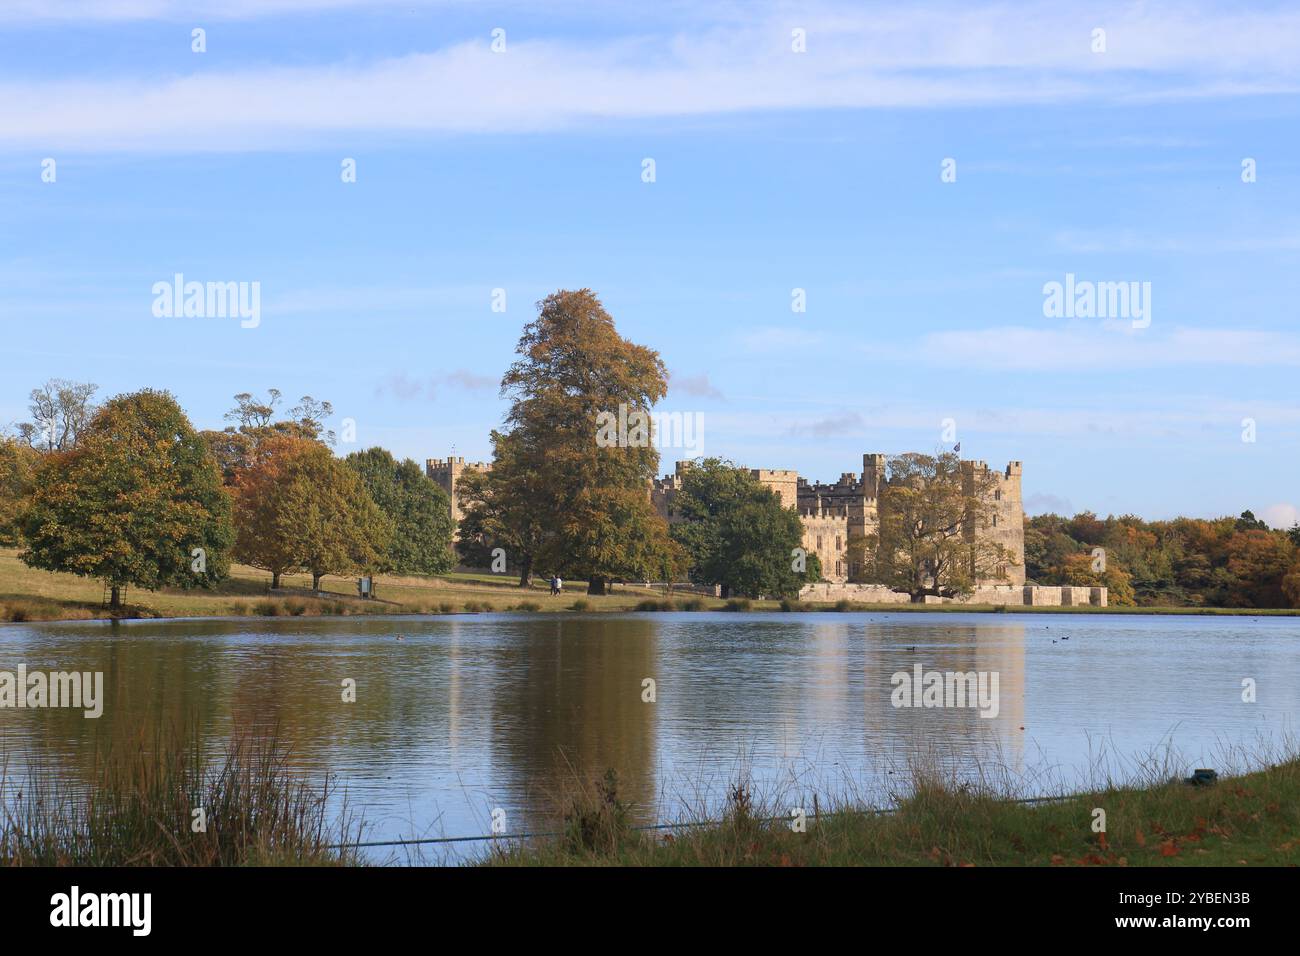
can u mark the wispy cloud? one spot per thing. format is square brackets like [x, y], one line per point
[405, 388]
[775, 338]
[114, 10]
[1039, 504]
[844, 423]
[698, 386]
[931, 55]
[1112, 347]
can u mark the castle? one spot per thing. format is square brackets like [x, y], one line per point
[835, 514]
[832, 514]
[446, 473]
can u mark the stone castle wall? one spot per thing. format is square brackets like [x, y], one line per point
[1008, 595]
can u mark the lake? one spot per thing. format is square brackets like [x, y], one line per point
[471, 713]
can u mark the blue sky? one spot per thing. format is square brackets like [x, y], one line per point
[775, 170]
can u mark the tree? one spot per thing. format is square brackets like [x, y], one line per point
[1258, 562]
[300, 507]
[238, 446]
[926, 543]
[418, 509]
[499, 510]
[1248, 522]
[60, 412]
[18, 462]
[736, 534]
[593, 517]
[1077, 571]
[137, 501]
[265, 531]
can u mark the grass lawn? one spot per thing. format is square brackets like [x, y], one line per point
[1251, 820]
[30, 595]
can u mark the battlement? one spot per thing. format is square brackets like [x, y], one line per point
[838, 513]
[446, 473]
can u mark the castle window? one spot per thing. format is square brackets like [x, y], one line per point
[819, 542]
[838, 572]
[837, 542]
[997, 496]
[995, 521]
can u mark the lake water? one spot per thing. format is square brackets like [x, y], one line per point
[471, 713]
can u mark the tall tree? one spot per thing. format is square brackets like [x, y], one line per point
[266, 533]
[736, 533]
[928, 512]
[61, 410]
[298, 506]
[590, 497]
[500, 512]
[418, 509]
[342, 529]
[138, 501]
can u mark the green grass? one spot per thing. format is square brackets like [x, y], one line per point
[1250, 820]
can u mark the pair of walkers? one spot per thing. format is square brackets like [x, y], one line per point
[557, 586]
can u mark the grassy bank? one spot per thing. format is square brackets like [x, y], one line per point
[1250, 820]
[172, 804]
[138, 807]
[30, 595]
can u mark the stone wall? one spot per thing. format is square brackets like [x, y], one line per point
[1010, 595]
[827, 536]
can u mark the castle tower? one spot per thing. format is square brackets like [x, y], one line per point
[785, 483]
[447, 471]
[873, 474]
[1007, 518]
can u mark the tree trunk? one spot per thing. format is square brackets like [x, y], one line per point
[115, 599]
[596, 585]
[275, 580]
[526, 573]
[315, 580]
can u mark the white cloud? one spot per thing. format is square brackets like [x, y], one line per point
[936, 55]
[1280, 516]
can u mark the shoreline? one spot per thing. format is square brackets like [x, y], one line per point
[1244, 819]
[31, 596]
[87, 614]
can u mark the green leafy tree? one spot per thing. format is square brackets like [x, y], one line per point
[300, 507]
[137, 501]
[418, 509]
[18, 463]
[341, 529]
[735, 533]
[925, 543]
[499, 509]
